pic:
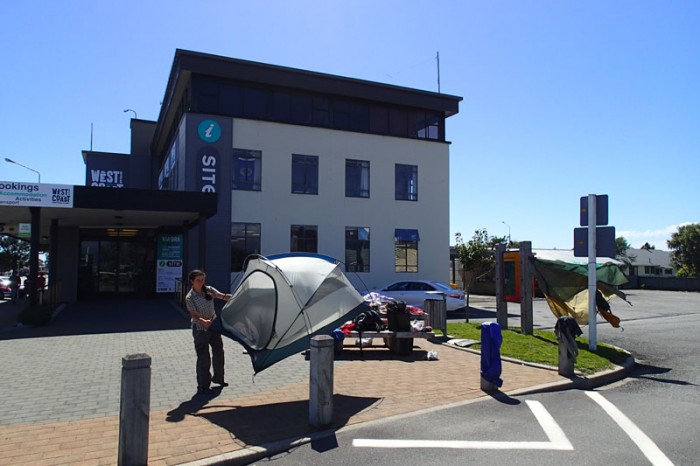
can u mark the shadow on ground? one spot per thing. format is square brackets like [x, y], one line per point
[282, 420]
[108, 316]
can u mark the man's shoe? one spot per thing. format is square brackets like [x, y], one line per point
[202, 390]
[220, 382]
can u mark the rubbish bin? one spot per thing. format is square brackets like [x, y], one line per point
[437, 312]
[566, 330]
[491, 339]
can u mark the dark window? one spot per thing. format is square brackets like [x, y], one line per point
[356, 178]
[247, 170]
[302, 110]
[397, 122]
[378, 120]
[245, 240]
[255, 103]
[321, 114]
[357, 249]
[406, 250]
[304, 174]
[304, 238]
[231, 100]
[341, 114]
[280, 106]
[359, 117]
[406, 182]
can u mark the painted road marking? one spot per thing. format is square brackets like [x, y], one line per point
[645, 444]
[556, 436]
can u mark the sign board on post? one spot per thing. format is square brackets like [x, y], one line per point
[604, 238]
[601, 210]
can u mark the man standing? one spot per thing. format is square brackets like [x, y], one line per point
[14, 286]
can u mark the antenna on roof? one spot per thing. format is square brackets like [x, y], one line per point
[438, 70]
[90, 137]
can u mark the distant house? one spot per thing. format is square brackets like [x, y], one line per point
[650, 263]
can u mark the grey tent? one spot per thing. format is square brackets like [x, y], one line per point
[282, 301]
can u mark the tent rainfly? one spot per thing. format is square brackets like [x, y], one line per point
[565, 287]
[282, 301]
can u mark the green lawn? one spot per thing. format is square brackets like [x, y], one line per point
[542, 348]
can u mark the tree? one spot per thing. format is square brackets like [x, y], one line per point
[685, 250]
[14, 253]
[476, 256]
[648, 246]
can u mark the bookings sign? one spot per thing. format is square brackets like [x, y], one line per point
[14, 193]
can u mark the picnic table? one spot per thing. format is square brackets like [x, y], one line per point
[397, 342]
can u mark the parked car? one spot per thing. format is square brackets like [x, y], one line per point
[4, 287]
[6, 292]
[415, 292]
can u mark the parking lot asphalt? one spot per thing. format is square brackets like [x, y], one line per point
[60, 388]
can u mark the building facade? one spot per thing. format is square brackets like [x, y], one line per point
[288, 161]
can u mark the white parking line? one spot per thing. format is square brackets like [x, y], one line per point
[557, 438]
[645, 444]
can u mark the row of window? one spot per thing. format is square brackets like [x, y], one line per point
[245, 100]
[247, 175]
[245, 240]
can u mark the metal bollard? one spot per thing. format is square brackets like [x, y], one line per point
[321, 381]
[491, 339]
[135, 405]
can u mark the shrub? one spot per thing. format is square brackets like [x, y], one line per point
[34, 315]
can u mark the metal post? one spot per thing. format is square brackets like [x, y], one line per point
[30, 287]
[592, 253]
[321, 381]
[526, 280]
[134, 410]
[501, 304]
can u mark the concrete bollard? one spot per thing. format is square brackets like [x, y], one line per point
[321, 381]
[566, 331]
[566, 361]
[135, 405]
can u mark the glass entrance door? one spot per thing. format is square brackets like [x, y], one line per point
[114, 265]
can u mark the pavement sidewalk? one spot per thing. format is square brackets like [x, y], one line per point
[240, 423]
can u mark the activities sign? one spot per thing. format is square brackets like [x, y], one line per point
[14, 193]
[169, 259]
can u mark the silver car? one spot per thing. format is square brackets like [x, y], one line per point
[415, 292]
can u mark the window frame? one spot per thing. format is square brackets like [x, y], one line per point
[357, 254]
[248, 183]
[405, 182]
[360, 169]
[305, 167]
[303, 236]
[250, 240]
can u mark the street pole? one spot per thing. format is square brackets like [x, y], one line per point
[592, 330]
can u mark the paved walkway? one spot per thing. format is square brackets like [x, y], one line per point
[60, 388]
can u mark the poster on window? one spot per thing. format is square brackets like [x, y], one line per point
[169, 260]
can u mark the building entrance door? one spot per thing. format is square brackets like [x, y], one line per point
[117, 262]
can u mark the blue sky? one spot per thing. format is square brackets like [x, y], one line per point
[561, 98]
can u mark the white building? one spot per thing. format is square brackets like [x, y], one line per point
[300, 162]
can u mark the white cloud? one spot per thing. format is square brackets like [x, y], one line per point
[656, 238]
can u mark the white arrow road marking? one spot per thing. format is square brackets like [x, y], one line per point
[557, 438]
[648, 447]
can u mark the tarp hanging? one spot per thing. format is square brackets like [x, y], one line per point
[565, 287]
[282, 301]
